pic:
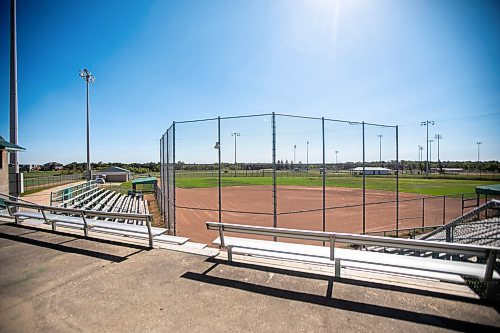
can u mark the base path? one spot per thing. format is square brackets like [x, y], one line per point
[196, 206]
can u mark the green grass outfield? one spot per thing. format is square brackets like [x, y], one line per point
[409, 185]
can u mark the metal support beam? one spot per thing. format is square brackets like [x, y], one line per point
[324, 173]
[219, 147]
[364, 181]
[15, 189]
[173, 181]
[397, 181]
[275, 194]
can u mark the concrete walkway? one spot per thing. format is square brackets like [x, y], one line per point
[54, 282]
[43, 197]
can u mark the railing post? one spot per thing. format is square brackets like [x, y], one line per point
[221, 236]
[85, 226]
[488, 274]
[332, 247]
[150, 232]
[337, 267]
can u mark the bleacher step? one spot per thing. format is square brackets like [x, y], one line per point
[170, 239]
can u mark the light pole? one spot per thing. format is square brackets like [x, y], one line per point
[307, 155]
[478, 165]
[430, 150]
[438, 137]
[294, 148]
[380, 136]
[235, 134]
[427, 123]
[89, 78]
[15, 188]
[420, 148]
[336, 163]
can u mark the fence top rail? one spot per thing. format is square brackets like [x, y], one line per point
[467, 249]
[142, 217]
[282, 115]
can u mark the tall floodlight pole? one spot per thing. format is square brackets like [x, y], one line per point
[380, 136]
[307, 155]
[294, 148]
[438, 137]
[478, 163]
[15, 190]
[427, 123]
[89, 78]
[430, 150]
[235, 134]
[336, 153]
[420, 148]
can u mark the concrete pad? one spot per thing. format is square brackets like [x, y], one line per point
[64, 283]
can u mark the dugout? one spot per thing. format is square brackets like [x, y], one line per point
[147, 184]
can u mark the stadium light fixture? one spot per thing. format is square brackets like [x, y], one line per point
[89, 78]
[426, 124]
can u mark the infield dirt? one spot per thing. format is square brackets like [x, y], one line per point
[253, 205]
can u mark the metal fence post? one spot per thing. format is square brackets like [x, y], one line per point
[324, 174]
[173, 174]
[423, 212]
[397, 182]
[275, 194]
[364, 181]
[219, 157]
[444, 209]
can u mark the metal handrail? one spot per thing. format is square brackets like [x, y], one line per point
[82, 213]
[466, 249]
[475, 212]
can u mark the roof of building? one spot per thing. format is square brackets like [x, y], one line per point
[146, 180]
[114, 169]
[371, 169]
[53, 163]
[5, 145]
[488, 189]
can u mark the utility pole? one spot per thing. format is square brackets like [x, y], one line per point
[380, 136]
[235, 134]
[427, 123]
[89, 78]
[438, 137]
[15, 188]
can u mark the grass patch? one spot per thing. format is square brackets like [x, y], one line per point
[408, 185]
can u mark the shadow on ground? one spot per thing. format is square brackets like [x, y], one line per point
[348, 305]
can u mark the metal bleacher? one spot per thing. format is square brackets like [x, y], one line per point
[91, 208]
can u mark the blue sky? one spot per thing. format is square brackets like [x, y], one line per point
[385, 61]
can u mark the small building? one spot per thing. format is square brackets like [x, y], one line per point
[371, 171]
[5, 148]
[52, 166]
[147, 184]
[115, 174]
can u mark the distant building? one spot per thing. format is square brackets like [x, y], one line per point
[371, 171]
[5, 148]
[114, 174]
[30, 167]
[51, 166]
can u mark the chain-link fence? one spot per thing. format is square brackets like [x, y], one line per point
[41, 182]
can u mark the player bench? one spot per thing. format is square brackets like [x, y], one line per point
[443, 270]
[82, 219]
